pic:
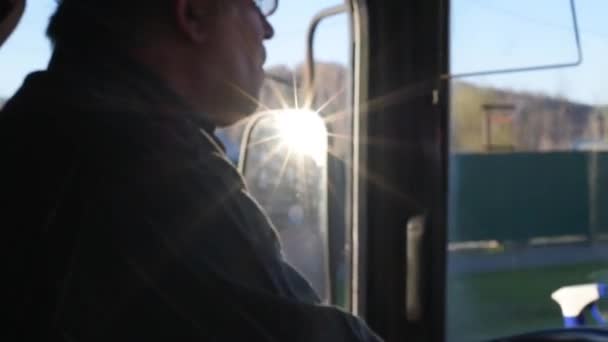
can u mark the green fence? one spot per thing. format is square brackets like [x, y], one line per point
[519, 196]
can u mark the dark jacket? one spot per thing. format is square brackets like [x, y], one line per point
[126, 222]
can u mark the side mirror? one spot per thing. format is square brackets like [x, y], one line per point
[10, 14]
[284, 161]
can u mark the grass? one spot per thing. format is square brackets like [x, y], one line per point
[494, 304]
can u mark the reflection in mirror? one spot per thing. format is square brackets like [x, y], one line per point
[285, 168]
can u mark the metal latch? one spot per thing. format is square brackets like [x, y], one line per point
[414, 275]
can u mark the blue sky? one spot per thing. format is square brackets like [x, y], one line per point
[491, 34]
[486, 34]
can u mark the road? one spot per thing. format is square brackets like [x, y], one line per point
[527, 257]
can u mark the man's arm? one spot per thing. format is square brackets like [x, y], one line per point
[160, 259]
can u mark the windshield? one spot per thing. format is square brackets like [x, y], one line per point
[529, 159]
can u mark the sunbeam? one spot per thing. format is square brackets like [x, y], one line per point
[370, 141]
[263, 141]
[381, 183]
[332, 117]
[274, 86]
[407, 92]
[247, 95]
[302, 133]
[330, 100]
[267, 157]
[281, 171]
[295, 90]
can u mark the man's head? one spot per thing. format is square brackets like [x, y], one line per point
[209, 51]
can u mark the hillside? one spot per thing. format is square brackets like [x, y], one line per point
[534, 123]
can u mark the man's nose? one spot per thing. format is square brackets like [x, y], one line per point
[268, 29]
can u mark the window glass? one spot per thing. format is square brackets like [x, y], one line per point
[528, 186]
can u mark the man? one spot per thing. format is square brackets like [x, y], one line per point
[123, 217]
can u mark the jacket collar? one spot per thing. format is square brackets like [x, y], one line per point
[116, 82]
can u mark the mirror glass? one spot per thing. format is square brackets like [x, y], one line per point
[490, 35]
[285, 168]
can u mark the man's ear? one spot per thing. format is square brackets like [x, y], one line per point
[193, 18]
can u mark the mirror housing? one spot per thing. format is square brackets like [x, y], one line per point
[284, 162]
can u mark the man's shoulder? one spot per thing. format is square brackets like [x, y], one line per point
[136, 146]
[36, 117]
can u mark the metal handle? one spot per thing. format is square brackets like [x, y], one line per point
[415, 267]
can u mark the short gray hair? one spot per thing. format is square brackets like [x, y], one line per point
[101, 22]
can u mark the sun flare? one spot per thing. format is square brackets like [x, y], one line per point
[304, 133]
